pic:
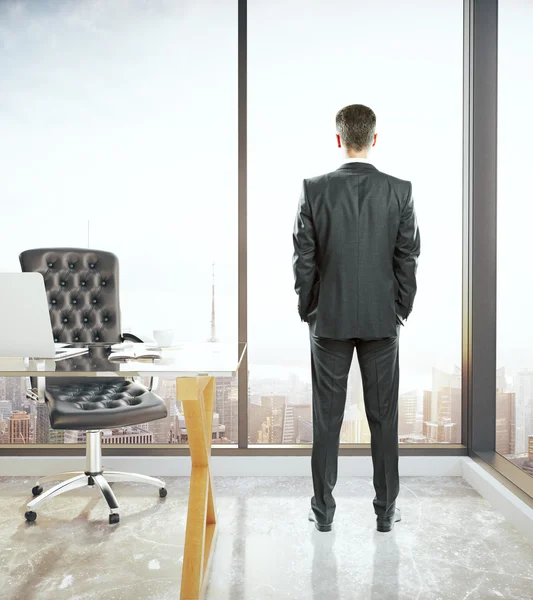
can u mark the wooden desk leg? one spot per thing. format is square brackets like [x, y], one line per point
[197, 396]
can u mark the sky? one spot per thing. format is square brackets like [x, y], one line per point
[408, 68]
[515, 200]
[118, 129]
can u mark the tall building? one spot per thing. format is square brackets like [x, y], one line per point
[305, 431]
[501, 381]
[523, 385]
[4, 431]
[407, 408]
[226, 406]
[294, 430]
[257, 415]
[217, 431]
[505, 423]
[440, 433]
[6, 408]
[457, 409]
[71, 436]
[288, 431]
[42, 423]
[226, 398]
[164, 429]
[265, 434]
[15, 392]
[446, 403]
[443, 382]
[355, 428]
[271, 429]
[427, 405]
[299, 391]
[127, 435]
[426, 410]
[58, 436]
[19, 428]
[526, 463]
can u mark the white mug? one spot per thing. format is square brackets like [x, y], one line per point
[163, 337]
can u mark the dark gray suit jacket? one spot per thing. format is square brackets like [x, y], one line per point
[356, 247]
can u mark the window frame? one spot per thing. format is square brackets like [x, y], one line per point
[478, 395]
[480, 203]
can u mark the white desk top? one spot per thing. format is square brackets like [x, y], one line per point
[183, 360]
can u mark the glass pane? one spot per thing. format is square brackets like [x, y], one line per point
[514, 378]
[117, 119]
[306, 61]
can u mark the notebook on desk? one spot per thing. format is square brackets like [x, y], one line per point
[62, 351]
[136, 352]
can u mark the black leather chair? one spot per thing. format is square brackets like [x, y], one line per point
[82, 287]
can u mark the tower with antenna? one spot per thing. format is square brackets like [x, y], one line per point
[213, 337]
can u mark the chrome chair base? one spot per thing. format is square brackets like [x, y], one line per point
[95, 475]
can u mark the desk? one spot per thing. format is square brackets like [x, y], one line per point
[195, 367]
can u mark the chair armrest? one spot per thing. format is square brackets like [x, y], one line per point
[32, 395]
[129, 337]
[154, 382]
[37, 394]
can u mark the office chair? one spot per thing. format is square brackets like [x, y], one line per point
[83, 295]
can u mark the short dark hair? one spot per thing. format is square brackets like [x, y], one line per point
[356, 126]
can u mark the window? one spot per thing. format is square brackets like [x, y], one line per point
[514, 378]
[305, 62]
[119, 132]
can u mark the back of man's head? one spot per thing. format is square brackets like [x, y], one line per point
[356, 126]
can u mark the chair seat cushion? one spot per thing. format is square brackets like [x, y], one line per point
[101, 403]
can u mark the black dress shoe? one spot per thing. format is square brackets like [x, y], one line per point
[320, 526]
[387, 524]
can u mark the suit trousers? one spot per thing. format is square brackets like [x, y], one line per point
[330, 367]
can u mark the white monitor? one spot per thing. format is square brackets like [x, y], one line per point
[25, 328]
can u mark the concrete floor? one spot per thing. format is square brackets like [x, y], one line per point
[450, 545]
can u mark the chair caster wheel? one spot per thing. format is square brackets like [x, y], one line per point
[114, 518]
[90, 481]
[30, 516]
[163, 492]
[37, 490]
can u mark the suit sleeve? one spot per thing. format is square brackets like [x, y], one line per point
[406, 253]
[304, 258]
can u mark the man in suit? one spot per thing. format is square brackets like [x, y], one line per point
[356, 247]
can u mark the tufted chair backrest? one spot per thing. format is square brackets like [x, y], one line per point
[82, 290]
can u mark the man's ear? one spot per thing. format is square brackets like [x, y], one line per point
[338, 140]
[375, 140]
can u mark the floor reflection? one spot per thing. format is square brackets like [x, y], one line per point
[450, 544]
[386, 567]
[238, 554]
[324, 576]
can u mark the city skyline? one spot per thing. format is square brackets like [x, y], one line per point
[281, 411]
[284, 410]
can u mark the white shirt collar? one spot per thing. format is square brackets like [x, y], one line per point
[351, 160]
